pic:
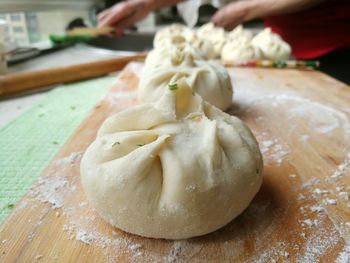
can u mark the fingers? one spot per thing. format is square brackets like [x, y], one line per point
[103, 14]
[112, 15]
[229, 16]
[118, 32]
[124, 15]
[139, 13]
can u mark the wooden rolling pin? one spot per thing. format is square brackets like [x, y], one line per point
[26, 81]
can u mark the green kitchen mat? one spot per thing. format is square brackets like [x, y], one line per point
[30, 141]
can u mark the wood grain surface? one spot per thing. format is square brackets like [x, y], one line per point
[26, 81]
[301, 213]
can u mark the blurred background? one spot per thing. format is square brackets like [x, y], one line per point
[23, 23]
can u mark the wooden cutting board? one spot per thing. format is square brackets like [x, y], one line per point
[301, 214]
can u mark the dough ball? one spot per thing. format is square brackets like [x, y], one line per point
[207, 78]
[173, 40]
[215, 35]
[239, 32]
[239, 50]
[175, 32]
[204, 46]
[181, 36]
[271, 45]
[166, 54]
[175, 169]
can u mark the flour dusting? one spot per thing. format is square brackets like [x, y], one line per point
[174, 253]
[341, 169]
[344, 256]
[273, 151]
[317, 245]
[50, 189]
[69, 159]
[317, 208]
[115, 98]
[84, 236]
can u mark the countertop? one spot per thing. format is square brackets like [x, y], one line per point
[12, 107]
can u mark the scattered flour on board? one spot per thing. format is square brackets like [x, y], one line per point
[342, 168]
[273, 151]
[317, 244]
[301, 197]
[317, 208]
[344, 256]
[69, 159]
[50, 189]
[343, 196]
[321, 118]
[319, 191]
[174, 253]
[327, 121]
[84, 236]
[55, 189]
[310, 223]
[181, 251]
[339, 188]
[272, 254]
[311, 183]
[115, 98]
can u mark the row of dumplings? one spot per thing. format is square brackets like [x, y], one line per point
[236, 45]
[174, 166]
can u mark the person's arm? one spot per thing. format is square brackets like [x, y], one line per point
[241, 11]
[127, 13]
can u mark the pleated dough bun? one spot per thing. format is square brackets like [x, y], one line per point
[271, 45]
[175, 169]
[215, 35]
[181, 36]
[239, 49]
[165, 55]
[207, 78]
[174, 30]
[204, 46]
[239, 32]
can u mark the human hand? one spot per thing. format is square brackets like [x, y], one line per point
[238, 12]
[125, 14]
[231, 15]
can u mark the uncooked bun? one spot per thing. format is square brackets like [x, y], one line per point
[207, 78]
[175, 30]
[271, 45]
[204, 46]
[215, 35]
[181, 36]
[166, 54]
[239, 32]
[239, 49]
[175, 169]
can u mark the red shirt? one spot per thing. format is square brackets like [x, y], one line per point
[316, 31]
